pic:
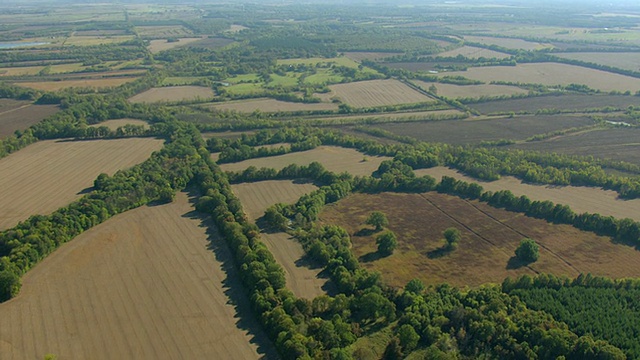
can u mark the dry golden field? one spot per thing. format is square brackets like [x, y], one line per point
[627, 61]
[473, 91]
[270, 105]
[81, 83]
[374, 93]
[146, 284]
[115, 124]
[173, 93]
[49, 174]
[155, 46]
[473, 52]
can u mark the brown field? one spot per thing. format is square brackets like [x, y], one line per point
[475, 131]
[155, 46]
[143, 285]
[115, 124]
[472, 91]
[364, 55]
[173, 93]
[489, 239]
[256, 198]
[473, 52]
[270, 105]
[507, 43]
[552, 74]
[85, 83]
[374, 93]
[627, 61]
[333, 158]
[564, 102]
[579, 198]
[49, 174]
[19, 115]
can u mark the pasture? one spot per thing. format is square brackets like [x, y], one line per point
[374, 93]
[561, 102]
[473, 52]
[111, 293]
[211, 43]
[626, 61]
[162, 31]
[366, 55]
[508, 43]
[80, 83]
[155, 46]
[271, 105]
[173, 93]
[470, 91]
[49, 174]
[489, 239]
[19, 115]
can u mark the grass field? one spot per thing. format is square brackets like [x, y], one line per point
[564, 102]
[333, 158]
[473, 52]
[413, 116]
[475, 131]
[374, 93]
[173, 93]
[340, 61]
[155, 46]
[552, 74]
[270, 105]
[115, 124]
[579, 198]
[162, 31]
[256, 198]
[627, 61]
[50, 174]
[146, 284]
[211, 43]
[507, 43]
[472, 91]
[19, 115]
[365, 55]
[96, 40]
[20, 71]
[489, 239]
[85, 83]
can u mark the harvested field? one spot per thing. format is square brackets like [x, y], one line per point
[563, 102]
[333, 158]
[470, 91]
[485, 252]
[473, 52]
[579, 198]
[374, 93]
[271, 105]
[626, 61]
[49, 174]
[475, 131]
[115, 124]
[112, 294]
[363, 55]
[85, 83]
[256, 198]
[155, 46]
[507, 43]
[552, 74]
[173, 93]
[19, 115]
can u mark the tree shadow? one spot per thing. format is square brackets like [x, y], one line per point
[439, 252]
[85, 191]
[515, 263]
[365, 232]
[370, 257]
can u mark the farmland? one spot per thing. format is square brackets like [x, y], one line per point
[508, 43]
[626, 61]
[564, 102]
[470, 91]
[377, 93]
[271, 105]
[50, 174]
[155, 46]
[115, 124]
[173, 93]
[86, 83]
[473, 52]
[111, 293]
[489, 238]
[21, 115]
[363, 55]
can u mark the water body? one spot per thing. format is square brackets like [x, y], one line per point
[20, 44]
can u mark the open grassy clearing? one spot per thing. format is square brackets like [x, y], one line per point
[20, 71]
[627, 61]
[473, 52]
[256, 198]
[473, 91]
[95, 40]
[235, 28]
[115, 124]
[50, 174]
[475, 131]
[162, 31]
[507, 43]
[111, 293]
[333, 158]
[563, 102]
[552, 74]
[374, 93]
[155, 46]
[180, 80]
[271, 105]
[340, 61]
[21, 117]
[173, 93]
[579, 198]
[365, 55]
[85, 83]
[489, 239]
[211, 43]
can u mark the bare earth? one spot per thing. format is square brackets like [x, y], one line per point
[333, 158]
[271, 105]
[47, 175]
[373, 93]
[143, 285]
[473, 52]
[22, 115]
[256, 198]
[472, 91]
[173, 93]
[155, 46]
[115, 124]
[86, 83]
[579, 198]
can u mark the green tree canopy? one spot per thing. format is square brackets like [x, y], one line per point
[528, 250]
[387, 242]
[377, 219]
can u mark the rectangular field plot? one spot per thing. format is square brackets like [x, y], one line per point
[563, 102]
[470, 91]
[145, 284]
[85, 83]
[47, 175]
[20, 117]
[173, 93]
[272, 105]
[552, 74]
[473, 52]
[374, 93]
[507, 42]
[485, 252]
[155, 46]
[475, 131]
[626, 61]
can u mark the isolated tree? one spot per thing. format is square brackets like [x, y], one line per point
[377, 219]
[387, 242]
[452, 237]
[528, 251]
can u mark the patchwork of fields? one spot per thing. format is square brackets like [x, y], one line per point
[271, 105]
[377, 93]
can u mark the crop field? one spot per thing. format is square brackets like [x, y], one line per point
[475, 131]
[412, 116]
[19, 115]
[374, 93]
[162, 31]
[340, 61]
[579, 198]
[470, 91]
[85, 83]
[271, 105]
[365, 55]
[95, 40]
[507, 43]
[112, 294]
[552, 74]
[256, 198]
[49, 174]
[333, 158]
[563, 102]
[489, 239]
[115, 124]
[211, 43]
[473, 52]
[155, 46]
[627, 61]
[20, 71]
[173, 93]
